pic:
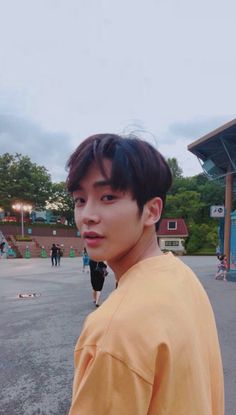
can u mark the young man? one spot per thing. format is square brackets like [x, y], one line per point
[53, 254]
[152, 347]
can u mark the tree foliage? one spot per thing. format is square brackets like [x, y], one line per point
[186, 204]
[209, 193]
[61, 202]
[175, 168]
[22, 180]
[202, 235]
[191, 198]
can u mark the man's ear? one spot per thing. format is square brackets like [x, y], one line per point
[152, 211]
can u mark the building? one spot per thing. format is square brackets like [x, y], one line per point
[216, 152]
[172, 234]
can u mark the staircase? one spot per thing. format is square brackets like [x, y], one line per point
[38, 242]
[20, 247]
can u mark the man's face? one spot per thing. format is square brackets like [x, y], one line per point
[108, 220]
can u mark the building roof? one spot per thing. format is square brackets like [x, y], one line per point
[217, 150]
[181, 228]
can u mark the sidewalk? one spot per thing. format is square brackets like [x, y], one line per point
[38, 335]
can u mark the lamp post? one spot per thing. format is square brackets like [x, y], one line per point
[21, 207]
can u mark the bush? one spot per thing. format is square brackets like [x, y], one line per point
[20, 238]
[202, 237]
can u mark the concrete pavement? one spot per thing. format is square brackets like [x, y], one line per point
[38, 335]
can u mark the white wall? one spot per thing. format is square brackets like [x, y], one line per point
[173, 244]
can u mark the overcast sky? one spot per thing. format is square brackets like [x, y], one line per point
[71, 68]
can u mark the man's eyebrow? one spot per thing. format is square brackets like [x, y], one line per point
[102, 183]
[99, 183]
[78, 188]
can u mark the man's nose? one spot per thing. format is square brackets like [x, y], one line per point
[90, 213]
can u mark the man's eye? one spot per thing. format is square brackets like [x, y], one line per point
[108, 198]
[79, 201]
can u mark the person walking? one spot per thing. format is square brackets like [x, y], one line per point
[2, 248]
[97, 275]
[59, 254]
[152, 347]
[85, 260]
[54, 254]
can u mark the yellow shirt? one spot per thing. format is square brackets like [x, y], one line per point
[151, 348]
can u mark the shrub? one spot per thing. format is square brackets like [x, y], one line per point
[21, 238]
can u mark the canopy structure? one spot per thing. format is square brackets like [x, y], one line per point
[216, 152]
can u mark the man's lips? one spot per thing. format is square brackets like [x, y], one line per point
[92, 235]
[92, 239]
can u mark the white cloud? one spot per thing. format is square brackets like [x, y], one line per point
[73, 68]
[19, 135]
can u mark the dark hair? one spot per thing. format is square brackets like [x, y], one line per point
[221, 257]
[136, 166]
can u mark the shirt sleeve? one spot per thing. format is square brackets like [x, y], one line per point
[103, 384]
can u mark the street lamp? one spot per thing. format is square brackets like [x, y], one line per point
[22, 208]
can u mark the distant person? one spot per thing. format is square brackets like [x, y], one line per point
[97, 275]
[222, 268]
[152, 347]
[85, 260]
[59, 254]
[54, 254]
[2, 248]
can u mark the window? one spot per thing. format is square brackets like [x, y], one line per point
[172, 225]
[171, 243]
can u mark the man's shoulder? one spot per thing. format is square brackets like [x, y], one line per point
[112, 332]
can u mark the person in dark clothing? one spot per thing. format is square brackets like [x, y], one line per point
[53, 255]
[59, 254]
[97, 279]
[2, 246]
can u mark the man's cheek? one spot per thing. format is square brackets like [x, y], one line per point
[77, 218]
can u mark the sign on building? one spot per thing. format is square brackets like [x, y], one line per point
[217, 211]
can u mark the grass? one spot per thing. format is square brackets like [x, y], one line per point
[204, 251]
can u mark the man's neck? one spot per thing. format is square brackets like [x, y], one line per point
[146, 247]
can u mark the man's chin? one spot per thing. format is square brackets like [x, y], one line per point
[97, 258]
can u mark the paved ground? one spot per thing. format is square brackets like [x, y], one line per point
[37, 336]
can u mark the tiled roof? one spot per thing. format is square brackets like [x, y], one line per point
[181, 228]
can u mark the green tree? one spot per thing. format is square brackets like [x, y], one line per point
[22, 180]
[186, 204]
[211, 193]
[194, 241]
[60, 202]
[181, 184]
[202, 236]
[175, 168]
